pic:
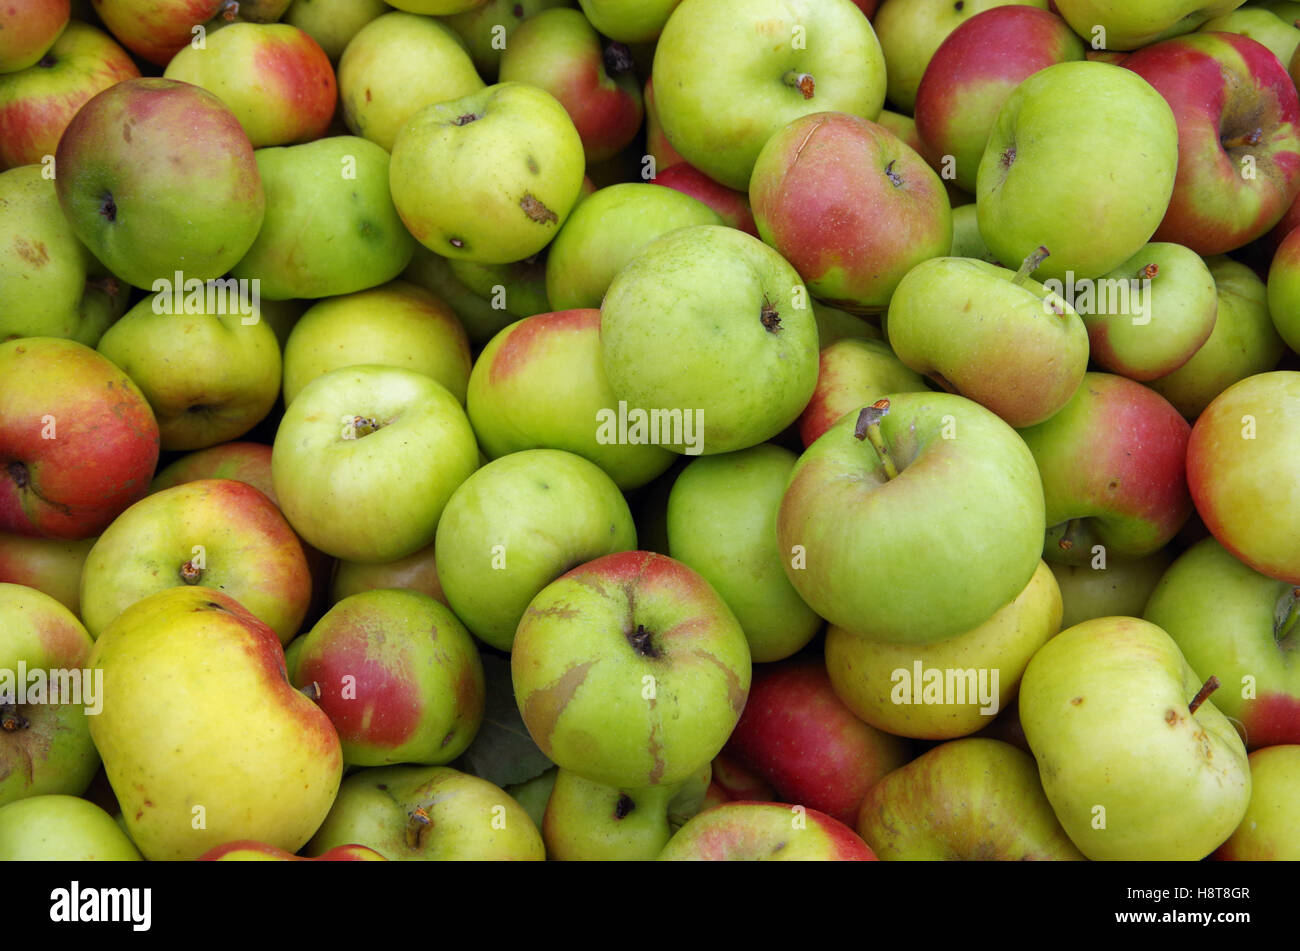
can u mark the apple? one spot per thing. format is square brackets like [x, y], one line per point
[1136, 763]
[1034, 186]
[1105, 587]
[972, 73]
[534, 794]
[58, 828]
[37, 103]
[210, 374]
[1270, 830]
[834, 324]
[1112, 471]
[850, 206]
[437, 7]
[991, 334]
[428, 813]
[27, 32]
[1264, 26]
[46, 698]
[967, 242]
[1239, 463]
[518, 288]
[731, 73]
[217, 533]
[881, 535]
[799, 736]
[713, 323]
[398, 675]
[629, 21]
[143, 198]
[911, 31]
[331, 227]
[78, 442]
[274, 77]
[1238, 137]
[481, 317]
[514, 405]
[333, 23]
[1283, 290]
[732, 206]
[972, 799]
[246, 850]
[395, 66]
[416, 572]
[1243, 341]
[559, 51]
[156, 30]
[950, 688]
[657, 146]
[1239, 625]
[731, 782]
[490, 176]
[51, 285]
[588, 821]
[722, 523]
[606, 231]
[1127, 26]
[516, 525]
[248, 462]
[853, 373]
[49, 565]
[630, 670]
[752, 831]
[396, 324]
[1148, 330]
[366, 458]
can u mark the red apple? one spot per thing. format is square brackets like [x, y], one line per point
[37, 103]
[853, 373]
[247, 850]
[1238, 121]
[28, 29]
[78, 442]
[732, 206]
[748, 831]
[50, 565]
[731, 782]
[248, 462]
[156, 29]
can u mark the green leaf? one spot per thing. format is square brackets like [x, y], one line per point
[502, 753]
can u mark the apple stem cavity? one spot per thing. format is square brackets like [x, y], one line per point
[419, 825]
[1147, 272]
[803, 82]
[465, 119]
[311, 691]
[868, 427]
[1253, 137]
[1030, 265]
[190, 573]
[618, 59]
[1207, 688]
[624, 806]
[1287, 623]
[363, 426]
[11, 721]
[642, 642]
[18, 472]
[108, 208]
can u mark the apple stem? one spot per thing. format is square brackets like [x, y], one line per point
[230, 10]
[1207, 688]
[11, 721]
[190, 574]
[1148, 271]
[1253, 137]
[801, 81]
[1031, 264]
[1067, 536]
[417, 827]
[868, 426]
[311, 691]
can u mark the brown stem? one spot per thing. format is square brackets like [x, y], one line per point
[190, 574]
[1067, 537]
[1147, 272]
[1254, 137]
[1207, 688]
[418, 825]
[803, 82]
[868, 426]
[311, 691]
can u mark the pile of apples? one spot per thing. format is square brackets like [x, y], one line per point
[633, 429]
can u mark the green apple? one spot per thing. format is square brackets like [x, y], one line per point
[416, 572]
[486, 30]
[518, 288]
[210, 374]
[712, 323]
[429, 813]
[333, 23]
[950, 688]
[730, 73]
[588, 821]
[516, 525]
[853, 373]
[630, 670]
[922, 538]
[834, 325]
[398, 324]
[1283, 289]
[481, 317]
[629, 21]
[1242, 343]
[1109, 586]
[1136, 763]
[366, 457]
[722, 522]
[757, 831]
[204, 740]
[1270, 830]
[398, 676]
[967, 242]
[395, 66]
[1261, 25]
[1035, 186]
[1128, 24]
[56, 828]
[971, 799]
[993, 335]
[1239, 625]
[330, 227]
[606, 231]
[490, 176]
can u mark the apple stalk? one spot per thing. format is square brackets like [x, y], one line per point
[868, 426]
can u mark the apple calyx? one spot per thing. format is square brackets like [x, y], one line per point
[18, 472]
[230, 10]
[362, 426]
[624, 806]
[108, 207]
[769, 316]
[11, 721]
[1030, 264]
[868, 427]
[642, 642]
[803, 82]
[894, 178]
[1207, 688]
[466, 118]
[617, 58]
[418, 827]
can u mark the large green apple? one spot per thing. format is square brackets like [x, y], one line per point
[490, 176]
[333, 23]
[1128, 24]
[1107, 586]
[56, 828]
[922, 538]
[730, 73]
[629, 21]
[711, 325]
[516, 525]
[722, 522]
[330, 227]
[1136, 763]
[365, 459]
[1035, 186]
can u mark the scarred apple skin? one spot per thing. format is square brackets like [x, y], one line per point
[972, 73]
[797, 734]
[1237, 110]
[748, 831]
[104, 446]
